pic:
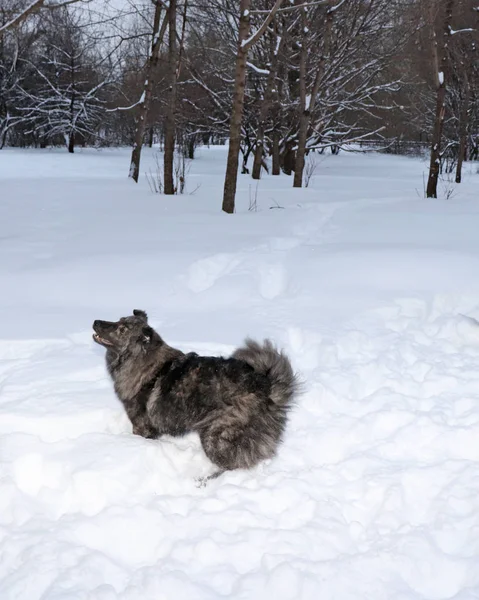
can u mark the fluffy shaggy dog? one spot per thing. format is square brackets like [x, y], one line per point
[237, 405]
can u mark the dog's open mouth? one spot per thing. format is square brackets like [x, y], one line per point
[99, 340]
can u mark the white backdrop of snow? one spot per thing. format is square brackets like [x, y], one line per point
[375, 492]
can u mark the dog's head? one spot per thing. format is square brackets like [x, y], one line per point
[129, 333]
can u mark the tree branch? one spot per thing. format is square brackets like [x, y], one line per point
[246, 45]
[33, 8]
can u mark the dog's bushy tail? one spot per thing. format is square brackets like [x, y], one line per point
[269, 361]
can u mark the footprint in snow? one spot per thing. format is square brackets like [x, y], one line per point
[204, 273]
[273, 280]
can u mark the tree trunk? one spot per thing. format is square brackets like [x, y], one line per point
[150, 137]
[473, 149]
[463, 126]
[289, 158]
[145, 100]
[304, 108]
[259, 151]
[71, 142]
[231, 177]
[248, 148]
[276, 170]
[244, 45]
[308, 101]
[277, 42]
[435, 160]
[301, 149]
[191, 146]
[170, 129]
[71, 137]
[4, 129]
[276, 120]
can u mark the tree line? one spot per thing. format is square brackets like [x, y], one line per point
[277, 79]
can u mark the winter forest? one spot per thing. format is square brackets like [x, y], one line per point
[178, 177]
[278, 80]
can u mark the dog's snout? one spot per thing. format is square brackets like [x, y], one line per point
[103, 325]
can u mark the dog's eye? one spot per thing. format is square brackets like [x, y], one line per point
[121, 329]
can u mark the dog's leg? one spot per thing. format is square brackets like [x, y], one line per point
[146, 431]
[140, 421]
[201, 482]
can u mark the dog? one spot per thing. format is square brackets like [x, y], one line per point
[238, 405]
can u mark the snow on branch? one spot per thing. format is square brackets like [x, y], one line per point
[257, 69]
[334, 8]
[467, 30]
[140, 101]
[294, 7]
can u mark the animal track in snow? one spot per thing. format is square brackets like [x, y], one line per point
[204, 273]
[273, 280]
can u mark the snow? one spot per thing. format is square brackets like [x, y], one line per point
[370, 288]
[334, 8]
[277, 45]
[441, 77]
[307, 102]
[257, 69]
[465, 30]
[140, 101]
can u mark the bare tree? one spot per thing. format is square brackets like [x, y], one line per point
[63, 97]
[170, 129]
[441, 62]
[237, 110]
[464, 81]
[308, 96]
[22, 11]
[277, 38]
[244, 45]
[159, 29]
[343, 71]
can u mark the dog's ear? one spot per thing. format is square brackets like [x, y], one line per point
[140, 313]
[147, 334]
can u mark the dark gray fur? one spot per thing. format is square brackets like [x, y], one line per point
[237, 405]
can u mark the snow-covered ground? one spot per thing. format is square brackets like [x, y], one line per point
[375, 492]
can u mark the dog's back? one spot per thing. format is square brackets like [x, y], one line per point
[191, 392]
